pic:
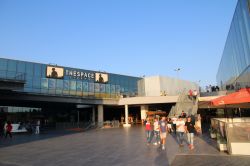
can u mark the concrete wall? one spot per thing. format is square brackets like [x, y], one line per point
[155, 85]
[141, 87]
[148, 100]
[152, 86]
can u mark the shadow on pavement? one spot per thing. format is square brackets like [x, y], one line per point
[206, 137]
[161, 158]
[21, 138]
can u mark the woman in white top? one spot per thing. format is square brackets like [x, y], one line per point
[180, 128]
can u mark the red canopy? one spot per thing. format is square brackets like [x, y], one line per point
[242, 96]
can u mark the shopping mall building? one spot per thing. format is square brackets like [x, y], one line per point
[234, 68]
[58, 94]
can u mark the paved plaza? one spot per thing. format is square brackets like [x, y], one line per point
[120, 146]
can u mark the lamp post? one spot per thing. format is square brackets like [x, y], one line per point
[177, 70]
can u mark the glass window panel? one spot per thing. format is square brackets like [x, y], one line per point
[52, 83]
[37, 83]
[12, 65]
[36, 90]
[72, 92]
[126, 89]
[44, 83]
[3, 64]
[108, 88]
[52, 91]
[29, 69]
[28, 89]
[20, 67]
[37, 70]
[122, 89]
[66, 84]
[91, 87]
[85, 86]
[3, 74]
[97, 87]
[59, 84]
[58, 92]
[29, 82]
[73, 85]
[66, 87]
[43, 71]
[79, 86]
[117, 89]
[11, 75]
[102, 88]
[112, 88]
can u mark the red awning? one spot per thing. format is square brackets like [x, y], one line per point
[240, 97]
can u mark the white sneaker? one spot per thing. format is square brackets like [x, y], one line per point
[155, 143]
[163, 147]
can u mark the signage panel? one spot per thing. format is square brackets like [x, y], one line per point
[55, 72]
[101, 77]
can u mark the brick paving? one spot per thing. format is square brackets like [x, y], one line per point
[121, 147]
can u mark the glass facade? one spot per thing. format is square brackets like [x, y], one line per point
[65, 81]
[234, 68]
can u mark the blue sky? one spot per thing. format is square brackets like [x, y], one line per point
[131, 37]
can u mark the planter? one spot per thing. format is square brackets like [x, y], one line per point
[222, 147]
[213, 135]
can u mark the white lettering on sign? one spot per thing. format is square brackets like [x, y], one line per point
[74, 74]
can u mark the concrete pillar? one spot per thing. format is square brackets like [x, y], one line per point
[93, 115]
[144, 110]
[100, 115]
[126, 117]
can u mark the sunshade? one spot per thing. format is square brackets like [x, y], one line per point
[240, 97]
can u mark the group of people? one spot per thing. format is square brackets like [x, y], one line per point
[211, 88]
[8, 128]
[157, 131]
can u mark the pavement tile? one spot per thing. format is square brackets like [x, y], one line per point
[119, 147]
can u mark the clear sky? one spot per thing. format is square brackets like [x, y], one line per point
[131, 37]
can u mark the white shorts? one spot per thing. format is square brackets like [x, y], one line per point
[163, 135]
[169, 126]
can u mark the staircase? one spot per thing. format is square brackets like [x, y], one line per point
[184, 103]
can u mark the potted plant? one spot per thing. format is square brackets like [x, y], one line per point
[221, 142]
[212, 132]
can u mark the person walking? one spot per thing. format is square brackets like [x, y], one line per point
[5, 125]
[148, 131]
[174, 120]
[8, 130]
[163, 132]
[190, 129]
[180, 124]
[157, 132]
[169, 125]
[38, 127]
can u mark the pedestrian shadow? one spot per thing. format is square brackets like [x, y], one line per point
[174, 137]
[161, 159]
[206, 138]
[176, 140]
